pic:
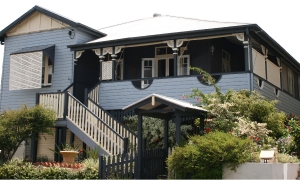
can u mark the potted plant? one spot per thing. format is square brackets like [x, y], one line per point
[69, 153]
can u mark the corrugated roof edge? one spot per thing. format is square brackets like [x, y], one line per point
[206, 20]
[55, 16]
[159, 37]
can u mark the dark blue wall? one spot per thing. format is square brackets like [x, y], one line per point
[200, 56]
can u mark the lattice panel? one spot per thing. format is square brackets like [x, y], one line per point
[258, 64]
[25, 71]
[273, 73]
[106, 70]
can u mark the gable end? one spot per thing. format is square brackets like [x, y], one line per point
[37, 22]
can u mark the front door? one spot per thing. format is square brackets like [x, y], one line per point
[165, 67]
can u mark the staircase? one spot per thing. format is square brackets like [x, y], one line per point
[92, 124]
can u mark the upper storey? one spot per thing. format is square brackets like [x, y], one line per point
[39, 19]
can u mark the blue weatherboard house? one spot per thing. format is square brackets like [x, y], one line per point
[91, 78]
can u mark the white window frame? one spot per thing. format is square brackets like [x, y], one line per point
[180, 67]
[46, 71]
[144, 85]
[162, 55]
[27, 70]
[226, 63]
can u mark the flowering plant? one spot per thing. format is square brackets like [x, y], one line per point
[285, 144]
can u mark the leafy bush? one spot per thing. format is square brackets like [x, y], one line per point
[285, 144]
[17, 126]
[227, 108]
[294, 130]
[205, 156]
[42, 158]
[285, 158]
[255, 131]
[28, 171]
[90, 163]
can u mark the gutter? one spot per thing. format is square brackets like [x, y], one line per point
[161, 37]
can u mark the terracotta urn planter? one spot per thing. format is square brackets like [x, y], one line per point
[69, 156]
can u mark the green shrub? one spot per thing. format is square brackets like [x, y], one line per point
[18, 170]
[90, 163]
[285, 158]
[42, 158]
[294, 129]
[205, 156]
[17, 126]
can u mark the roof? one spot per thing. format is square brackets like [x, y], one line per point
[53, 15]
[159, 25]
[32, 49]
[155, 100]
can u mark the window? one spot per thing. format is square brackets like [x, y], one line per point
[290, 81]
[31, 68]
[46, 71]
[119, 69]
[225, 61]
[147, 71]
[184, 65]
[107, 70]
[163, 51]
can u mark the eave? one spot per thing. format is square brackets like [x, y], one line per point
[270, 43]
[53, 15]
[162, 37]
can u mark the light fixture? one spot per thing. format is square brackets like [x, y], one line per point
[71, 33]
[212, 49]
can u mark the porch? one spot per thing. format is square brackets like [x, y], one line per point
[162, 64]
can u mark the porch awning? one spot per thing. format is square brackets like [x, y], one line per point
[47, 49]
[156, 103]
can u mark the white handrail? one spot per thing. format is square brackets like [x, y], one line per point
[53, 101]
[116, 125]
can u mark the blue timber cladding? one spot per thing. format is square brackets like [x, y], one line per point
[116, 95]
[287, 102]
[63, 70]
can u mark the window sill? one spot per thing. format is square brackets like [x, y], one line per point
[47, 85]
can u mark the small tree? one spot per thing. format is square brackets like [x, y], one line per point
[227, 109]
[17, 126]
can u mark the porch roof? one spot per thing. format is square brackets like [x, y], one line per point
[158, 103]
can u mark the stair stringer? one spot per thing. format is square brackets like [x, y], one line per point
[84, 137]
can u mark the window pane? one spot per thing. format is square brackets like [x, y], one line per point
[169, 50]
[161, 51]
[185, 69]
[49, 78]
[147, 72]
